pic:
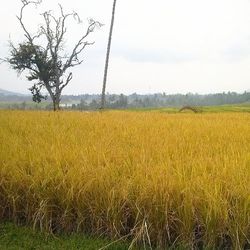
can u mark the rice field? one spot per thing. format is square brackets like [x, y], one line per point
[153, 179]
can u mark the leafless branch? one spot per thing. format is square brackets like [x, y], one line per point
[2, 60]
[20, 17]
[69, 78]
[81, 45]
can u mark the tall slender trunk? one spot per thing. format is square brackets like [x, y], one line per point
[107, 57]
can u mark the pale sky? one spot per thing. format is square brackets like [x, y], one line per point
[172, 46]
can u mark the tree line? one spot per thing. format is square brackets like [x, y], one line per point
[114, 101]
[158, 100]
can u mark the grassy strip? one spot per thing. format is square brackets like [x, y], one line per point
[241, 107]
[14, 237]
[244, 107]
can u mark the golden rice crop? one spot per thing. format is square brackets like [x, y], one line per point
[159, 179]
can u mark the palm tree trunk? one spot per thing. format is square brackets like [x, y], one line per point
[107, 56]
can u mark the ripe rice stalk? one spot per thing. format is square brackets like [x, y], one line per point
[160, 179]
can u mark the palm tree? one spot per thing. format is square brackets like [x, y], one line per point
[107, 56]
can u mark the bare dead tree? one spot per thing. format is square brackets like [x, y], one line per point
[107, 56]
[48, 64]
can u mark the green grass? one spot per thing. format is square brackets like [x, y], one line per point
[23, 238]
[228, 108]
[244, 107]
[14, 237]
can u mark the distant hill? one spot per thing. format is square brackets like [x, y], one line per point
[4, 92]
[13, 97]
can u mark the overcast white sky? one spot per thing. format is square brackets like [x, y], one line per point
[170, 46]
